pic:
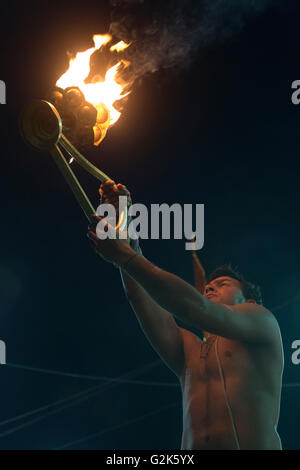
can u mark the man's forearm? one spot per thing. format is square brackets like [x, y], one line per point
[168, 290]
[243, 322]
[149, 314]
[158, 324]
[135, 293]
[132, 289]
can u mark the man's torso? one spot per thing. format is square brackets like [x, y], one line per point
[240, 412]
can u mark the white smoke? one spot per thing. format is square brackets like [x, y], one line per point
[170, 33]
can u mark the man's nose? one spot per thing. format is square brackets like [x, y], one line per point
[209, 289]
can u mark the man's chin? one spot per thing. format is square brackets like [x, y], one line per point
[213, 298]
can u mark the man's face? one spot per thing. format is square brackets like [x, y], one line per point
[225, 290]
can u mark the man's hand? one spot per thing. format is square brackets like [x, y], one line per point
[110, 191]
[112, 249]
[109, 194]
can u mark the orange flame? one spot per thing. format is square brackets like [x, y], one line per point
[120, 46]
[107, 91]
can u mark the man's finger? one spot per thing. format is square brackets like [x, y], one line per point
[103, 228]
[123, 190]
[108, 183]
[95, 218]
[108, 187]
[92, 236]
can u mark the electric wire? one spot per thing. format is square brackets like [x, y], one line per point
[84, 395]
[69, 401]
[286, 303]
[93, 377]
[118, 426]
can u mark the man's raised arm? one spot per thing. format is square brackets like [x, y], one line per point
[157, 323]
[166, 292]
[243, 322]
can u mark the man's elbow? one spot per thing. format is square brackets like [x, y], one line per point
[194, 312]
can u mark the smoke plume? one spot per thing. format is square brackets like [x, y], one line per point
[169, 33]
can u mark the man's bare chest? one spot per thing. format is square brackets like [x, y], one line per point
[214, 360]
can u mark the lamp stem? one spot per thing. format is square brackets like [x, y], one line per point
[73, 182]
[89, 167]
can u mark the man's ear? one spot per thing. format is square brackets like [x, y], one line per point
[251, 301]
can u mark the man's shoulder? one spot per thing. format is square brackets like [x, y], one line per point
[257, 310]
[251, 307]
[263, 318]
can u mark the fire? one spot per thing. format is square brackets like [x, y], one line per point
[120, 46]
[105, 92]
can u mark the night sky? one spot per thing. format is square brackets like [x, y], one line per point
[223, 132]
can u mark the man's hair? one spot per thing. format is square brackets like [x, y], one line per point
[250, 290]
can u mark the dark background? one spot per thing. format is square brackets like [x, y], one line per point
[222, 132]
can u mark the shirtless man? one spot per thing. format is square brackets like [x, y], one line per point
[231, 381]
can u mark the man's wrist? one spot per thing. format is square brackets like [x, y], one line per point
[135, 245]
[124, 255]
[128, 261]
